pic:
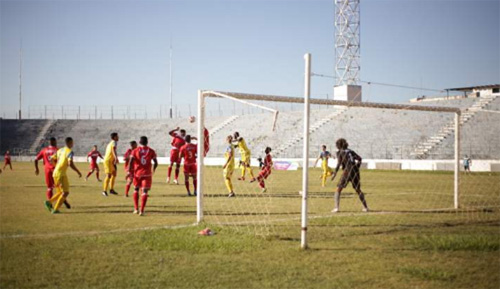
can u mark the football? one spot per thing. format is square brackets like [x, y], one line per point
[192, 119]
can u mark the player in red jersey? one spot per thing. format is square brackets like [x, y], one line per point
[93, 155]
[126, 159]
[188, 152]
[7, 160]
[177, 142]
[265, 171]
[46, 155]
[140, 163]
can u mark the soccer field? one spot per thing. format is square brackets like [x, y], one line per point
[411, 237]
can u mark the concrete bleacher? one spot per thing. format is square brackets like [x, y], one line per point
[19, 135]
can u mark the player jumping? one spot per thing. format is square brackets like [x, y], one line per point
[7, 160]
[206, 136]
[327, 171]
[177, 142]
[63, 158]
[266, 170]
[229, 166]
[245, 156]
[110, 162]
[126, 158]
[350, 162]
[140, 165]
[93, 155]
[188, 152]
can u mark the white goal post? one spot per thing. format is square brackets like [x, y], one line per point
[246, 98]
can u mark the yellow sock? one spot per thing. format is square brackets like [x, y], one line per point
[113, 178]
[229, 185]
[323, 179]
[251, 171]
[243, 171]
[105, 184]
[60, 201]
[56, 196]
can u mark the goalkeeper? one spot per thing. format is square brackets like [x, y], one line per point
[350, 162]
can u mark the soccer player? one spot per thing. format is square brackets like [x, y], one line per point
[245, 156]
[266, 170]
[327, 171]
[350, 162]
[93, 155]
[7, 160]
[229, 165]
[177, 142]
[467, 164]
[63, 158]
[126, 158]
[110, 162]
[206, 136]
[140, 165]
[188, 152]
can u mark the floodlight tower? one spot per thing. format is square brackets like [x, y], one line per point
[347, 49]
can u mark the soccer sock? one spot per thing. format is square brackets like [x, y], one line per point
[262, 184]
[362, 199]
[337, 200]
[112, 182]
[251, 171]
[89, 173]
[49, 194]
[105, 184]
[127, 188]
[177, 172]
[55, 197]
[60, 201]
[136, 199]
[169, 171]
[323, 179]
[243, 171]
[144, 199]
[97, 175]
[229, 185]
[195, 184]
[186, 183]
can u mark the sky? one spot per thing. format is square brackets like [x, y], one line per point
[117, 52]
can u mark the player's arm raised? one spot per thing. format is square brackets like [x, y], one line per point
[172, 132]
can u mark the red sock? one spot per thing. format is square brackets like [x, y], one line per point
[49, 193]
[186, 182]
[177, 172]
[262, 184]
[88, 175]
[195, 184]
[169, 171]
[127, 188]
[136, 199]
[97, 175]
[144, 199]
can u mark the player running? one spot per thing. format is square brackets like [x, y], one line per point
[140, 166]
[350, 162]
[177, 142]
[265, 171]
[7, 160]
[245, 156]
[93, 155]
[63, 158]
[188, 152]
[110, 162]
[324, 155]
[229, 165]
[126, 158]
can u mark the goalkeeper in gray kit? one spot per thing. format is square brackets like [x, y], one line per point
[350, 162]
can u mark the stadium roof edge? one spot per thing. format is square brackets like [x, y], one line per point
[469, 88]
[291, 99]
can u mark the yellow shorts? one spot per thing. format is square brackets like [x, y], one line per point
[246, 158]
[327, 170]
[109, 167]
[61, 182]
[228, 173]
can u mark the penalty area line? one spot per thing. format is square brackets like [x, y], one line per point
[94, 233]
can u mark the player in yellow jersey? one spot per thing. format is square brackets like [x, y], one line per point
[63, 159]
[229, 165]
[324, 155]
[245, 156]
[110, 162]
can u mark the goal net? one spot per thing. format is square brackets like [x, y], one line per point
[412, 170]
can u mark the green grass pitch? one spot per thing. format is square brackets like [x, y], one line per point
[412, 238]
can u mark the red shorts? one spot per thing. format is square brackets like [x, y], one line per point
[49, 179]
[143, 182]
[264, 173]
[174, 156]
[7, 161]
[190, 169]
[94, 166]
